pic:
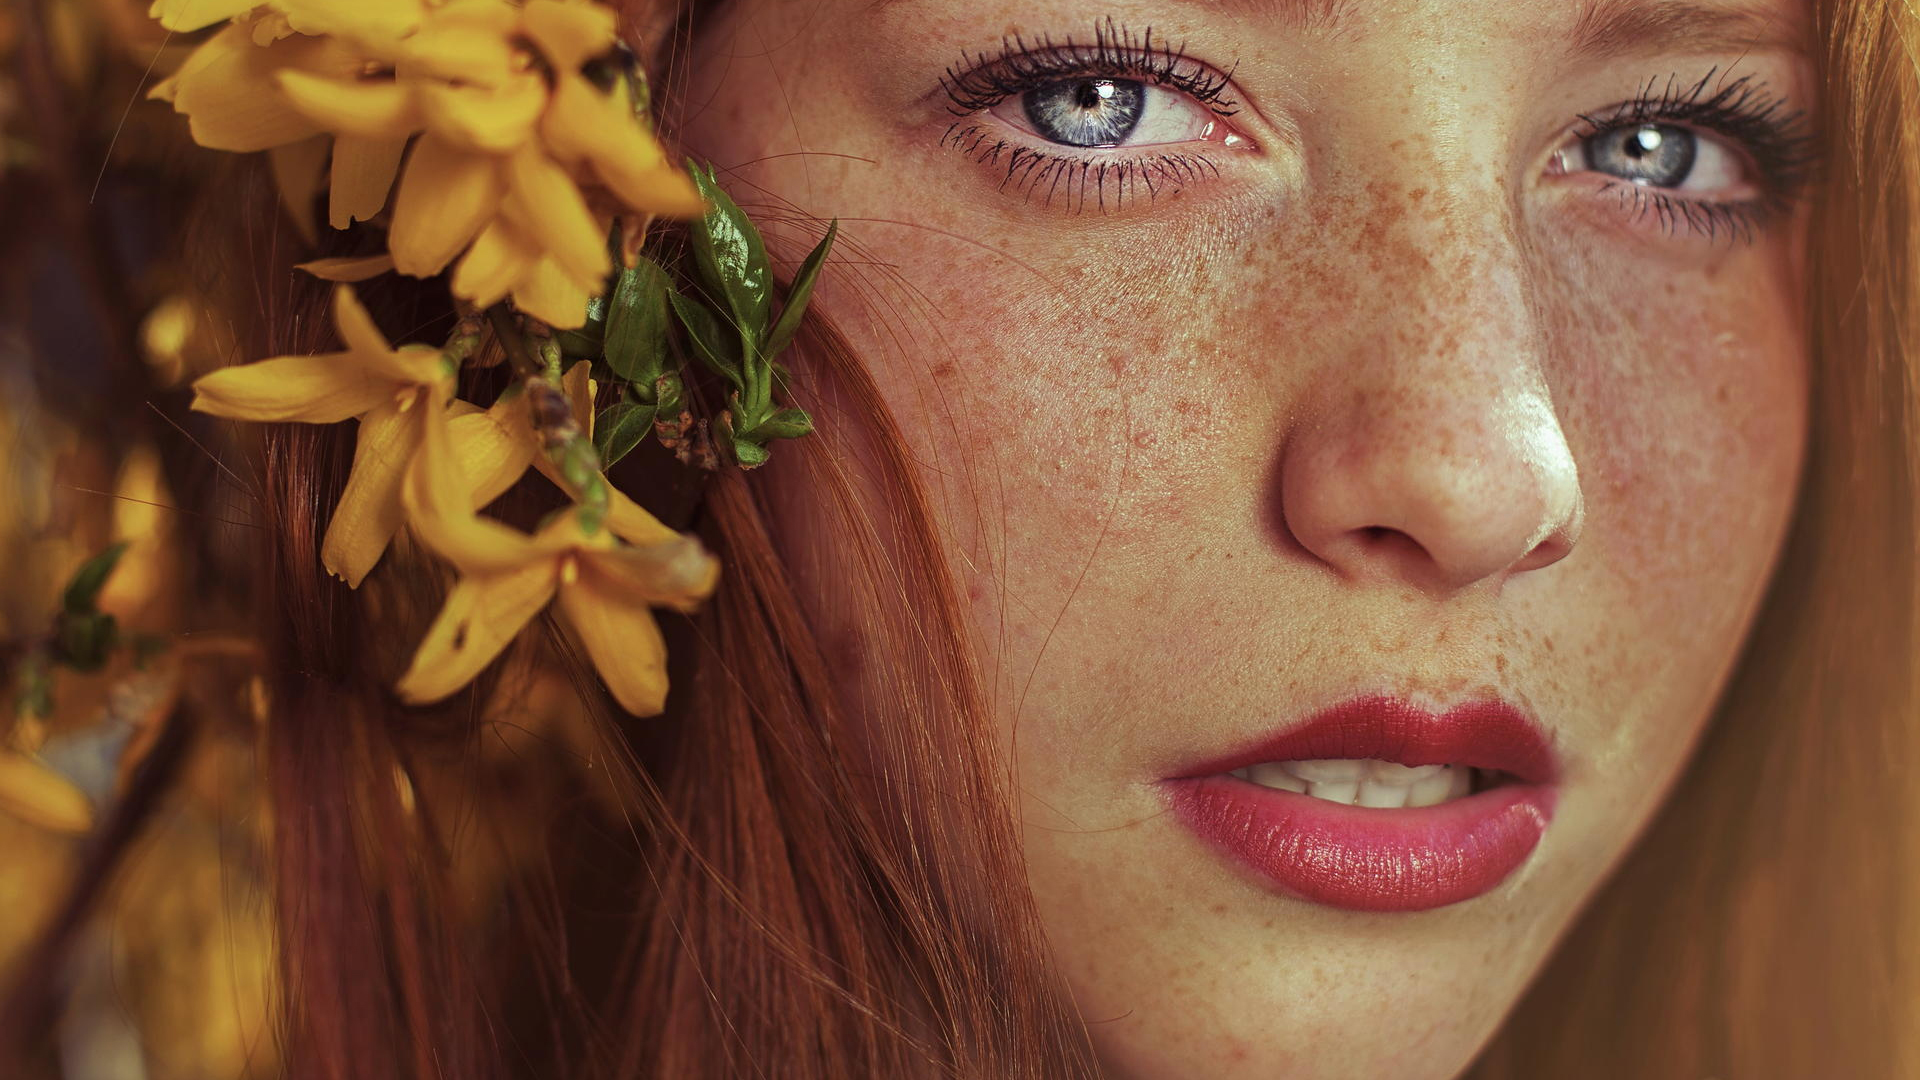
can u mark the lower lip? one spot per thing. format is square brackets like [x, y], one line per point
[1364, 858]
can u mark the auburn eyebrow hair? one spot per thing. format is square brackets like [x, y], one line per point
[1611, 27]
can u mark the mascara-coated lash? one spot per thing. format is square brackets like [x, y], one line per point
[979, 82]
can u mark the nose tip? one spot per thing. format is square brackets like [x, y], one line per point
[1437, 509]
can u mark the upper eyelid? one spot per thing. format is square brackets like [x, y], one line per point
[1115, 51]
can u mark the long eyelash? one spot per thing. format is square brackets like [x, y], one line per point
[1077, 181]
[1784, 152]
[1735, 221]
[980, 82]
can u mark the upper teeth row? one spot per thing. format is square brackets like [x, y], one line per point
[1364, 782]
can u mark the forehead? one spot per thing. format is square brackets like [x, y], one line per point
[1595, 28]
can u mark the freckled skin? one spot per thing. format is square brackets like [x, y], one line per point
[1382, 407]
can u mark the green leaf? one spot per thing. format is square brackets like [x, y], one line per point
[83, 639]
[586, 341]
[83, 589]
[731, 259]
[713, 347]
[801, 292]
[785, 424]
[619, 428]
[636, 341]
[749, 453]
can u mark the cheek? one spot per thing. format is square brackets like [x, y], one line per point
[1685, 403]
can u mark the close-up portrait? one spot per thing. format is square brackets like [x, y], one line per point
[959, 539]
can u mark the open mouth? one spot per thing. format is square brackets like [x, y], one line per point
[1377, 805]
[1372, 781]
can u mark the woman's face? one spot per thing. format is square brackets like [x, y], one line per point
[1426, 372]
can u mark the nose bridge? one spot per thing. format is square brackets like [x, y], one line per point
[1434, 453]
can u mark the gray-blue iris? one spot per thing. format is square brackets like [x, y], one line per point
[1085, 112]
[1658, 155]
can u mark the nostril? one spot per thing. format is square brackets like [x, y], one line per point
[1388, 549]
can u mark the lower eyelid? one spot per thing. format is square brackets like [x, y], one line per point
[1103, 181]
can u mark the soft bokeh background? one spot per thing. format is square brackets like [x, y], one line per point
[168, 974]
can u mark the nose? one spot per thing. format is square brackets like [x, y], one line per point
[1430, 453]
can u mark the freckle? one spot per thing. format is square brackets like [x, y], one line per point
[1186, 406]
[1500, 663]
[1219, 909]
[943, 369]
[1118, 364]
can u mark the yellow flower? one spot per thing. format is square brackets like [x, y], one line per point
[39, 796]
[521, 162]
[604, 588]
[389, 390]
[228, 92]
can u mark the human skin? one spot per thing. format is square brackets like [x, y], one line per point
[1391, 403]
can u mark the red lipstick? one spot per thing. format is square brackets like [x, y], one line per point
[1370, 859]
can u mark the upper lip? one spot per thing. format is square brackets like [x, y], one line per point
[1490, 734]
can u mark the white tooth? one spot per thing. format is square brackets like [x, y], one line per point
[1434, 790]
[1462, 782]
[1272, 774]
[1393, 772]
[1375, 793]
[1340, 791]
[1322, 771]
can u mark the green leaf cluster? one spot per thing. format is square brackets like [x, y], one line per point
[82, 637]
[726, 323]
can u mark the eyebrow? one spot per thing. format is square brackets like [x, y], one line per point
[1608, 28]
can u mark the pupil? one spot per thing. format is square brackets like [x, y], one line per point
[1085, 112]
[1657, 155]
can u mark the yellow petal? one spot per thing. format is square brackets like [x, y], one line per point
[482, 615]
[36, 794]
[369, 512]
[496, 262]
[348, 268]
[363, 171]
[366, 22]
[481, 56]
[652, 189]
[185, 16]
[547, 293]
[578, 384]
[630, 522]
[569, 34]
[446, 196]
[296, 172]
[624, 643]
[493, 121]
[323, 389]
[545, 203]
[418, 365]
[677, 573]
[438, 497]
[494, 447]
[575, 119]
[372, 108]
[231, 104]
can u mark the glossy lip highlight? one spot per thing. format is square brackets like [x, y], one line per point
[1382, 860]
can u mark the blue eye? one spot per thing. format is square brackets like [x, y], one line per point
[1660, 155]
[1657, 154]
[1085, 112]
[1099, 112]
